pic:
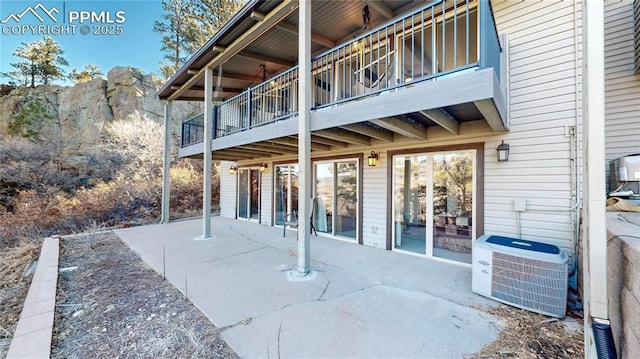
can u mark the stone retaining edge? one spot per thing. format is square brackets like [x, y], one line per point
[32, 338]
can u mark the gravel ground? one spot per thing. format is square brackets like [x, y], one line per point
[112, 305]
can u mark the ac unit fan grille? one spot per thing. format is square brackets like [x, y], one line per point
[530, 283]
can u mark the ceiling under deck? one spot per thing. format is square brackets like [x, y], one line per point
[407, 127]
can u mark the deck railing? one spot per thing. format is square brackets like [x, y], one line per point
[437, 40]
[193, 130]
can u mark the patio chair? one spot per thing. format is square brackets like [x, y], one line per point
[291, 220]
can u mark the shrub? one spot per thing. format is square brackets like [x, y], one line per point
[57, 193]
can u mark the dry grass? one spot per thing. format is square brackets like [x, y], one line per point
[529, 335]
[114, 306]
[14, 261]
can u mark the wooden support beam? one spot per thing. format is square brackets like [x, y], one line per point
[259, 148]
[344, 136]
[293, 29]
[443, 119]
[276, 146]
[491, 114]
[318, 39]
[222, 155]
[370, 131]
[201, 88]
[402, 127]
[328, 141]
[226, 75]
[293, 141]
[257, 16]
[244, 153]
[381, 8]
[265, 58]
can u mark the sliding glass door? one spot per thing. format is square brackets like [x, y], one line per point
[335, 206]
[249, 193]
[433, 204]
[286, 192]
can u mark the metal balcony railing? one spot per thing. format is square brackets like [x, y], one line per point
[193, 130]
[435, 41]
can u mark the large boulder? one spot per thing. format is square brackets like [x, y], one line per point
[84, 111]
[79, 113]
[131, 93]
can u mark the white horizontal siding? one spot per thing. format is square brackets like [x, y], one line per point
[227, 191]
[374, 202]
[622, 86]
[266, 196]
[544, 69]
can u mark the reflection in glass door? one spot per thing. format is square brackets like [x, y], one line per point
[410, 198]
[453, 206]
[335, 206]
[249, 193]
[346, 199]
[286, 192]
[433, 204]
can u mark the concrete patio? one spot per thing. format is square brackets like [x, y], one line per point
[358, 302]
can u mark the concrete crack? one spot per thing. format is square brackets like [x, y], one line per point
[234, 255]
[325, 287]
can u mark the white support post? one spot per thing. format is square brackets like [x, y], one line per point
[208, 128]
[594, 224]
[166, 163]
[304, 136]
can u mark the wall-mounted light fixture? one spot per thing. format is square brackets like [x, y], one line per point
[373, 159]
[233, 170]
[263, 167]
[503, 152]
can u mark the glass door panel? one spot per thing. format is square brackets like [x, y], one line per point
[409, 199]
[243, 190]
[453, 206]
[286, 192]
[346, 199]
[281, 193]
[323, 203]
[254, 194]
[293, 176]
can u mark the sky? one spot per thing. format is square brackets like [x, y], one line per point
[102, 33]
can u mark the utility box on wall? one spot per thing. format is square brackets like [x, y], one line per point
[624, 174]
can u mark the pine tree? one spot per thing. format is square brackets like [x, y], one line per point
[89, 73]
[187, 25]
[179, 29]
[43, 61]
[212, 15]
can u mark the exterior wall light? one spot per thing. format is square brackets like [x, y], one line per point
[233, 170]
[373, 159]
[263, 167]
[503, 152]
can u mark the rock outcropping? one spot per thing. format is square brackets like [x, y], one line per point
[82, 111]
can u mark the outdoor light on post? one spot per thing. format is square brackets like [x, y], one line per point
[233, 170]
[263, 167]
[373, 159]
[503, 152]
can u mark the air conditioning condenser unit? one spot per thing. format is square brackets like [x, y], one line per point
[526, 274]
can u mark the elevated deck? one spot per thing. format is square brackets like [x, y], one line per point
[436, 66]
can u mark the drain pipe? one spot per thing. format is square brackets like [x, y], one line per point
[597, 330]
